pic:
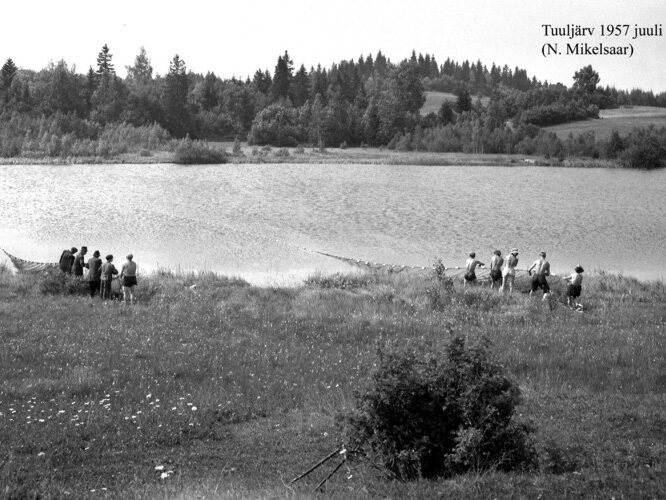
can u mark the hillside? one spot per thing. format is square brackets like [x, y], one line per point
[621, 119]
[434, 101]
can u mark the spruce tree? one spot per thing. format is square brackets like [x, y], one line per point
[175, 97]
[283, 76]
[104, 64]
[7, 74]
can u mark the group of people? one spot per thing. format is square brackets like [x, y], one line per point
[100, 274]
[503, 273]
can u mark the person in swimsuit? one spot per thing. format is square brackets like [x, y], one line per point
[128, 279]
[509, 271]
[470, 268]
[574, 287]
[496, 262]
[541, 268]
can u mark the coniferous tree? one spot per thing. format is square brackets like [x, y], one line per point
[262, 81]
[104, 64]
[282, 77]
[7, 74]
[300, 84]
[175, 97]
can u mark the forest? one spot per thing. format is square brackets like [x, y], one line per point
[369, 102]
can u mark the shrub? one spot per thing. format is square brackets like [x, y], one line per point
[190, 152]
[236, 148]
[342, 281]
[430, 417]
[55, 282]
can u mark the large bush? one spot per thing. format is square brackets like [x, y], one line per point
[429, 417]
[189, 152]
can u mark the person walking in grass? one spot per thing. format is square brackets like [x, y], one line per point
[128, 279]
[541, 268]
[509, 271]
[94, 266]
[574, 287]
[496, 262]
[470, 268]
[108, 272]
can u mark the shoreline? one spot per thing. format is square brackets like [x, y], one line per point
[250, 155]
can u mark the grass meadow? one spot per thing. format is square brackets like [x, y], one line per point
[623, 119]
[435, 99]
[211, 388]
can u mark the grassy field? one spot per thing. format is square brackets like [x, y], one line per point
[210, 388]
[434, 101]
[622, 119]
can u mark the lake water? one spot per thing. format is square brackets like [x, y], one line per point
[259, 221]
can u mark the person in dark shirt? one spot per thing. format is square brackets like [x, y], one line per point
[79, 264]
[67, 260]
[94, 266]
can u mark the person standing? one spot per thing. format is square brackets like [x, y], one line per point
[108, 271]
[79, 264]
[94, 266]
[67, 260]
[541, 268]
[496, 262]
[470, 268]
[574, 287]
[509, 271]
[128, 277]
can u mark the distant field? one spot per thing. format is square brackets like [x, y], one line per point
[622, 119]
[435, 99]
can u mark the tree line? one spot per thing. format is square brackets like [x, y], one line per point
[368, 101]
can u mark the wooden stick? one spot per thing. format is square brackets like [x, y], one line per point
[331, 474]
[322, 461]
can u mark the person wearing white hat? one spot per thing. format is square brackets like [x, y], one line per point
[509, 270]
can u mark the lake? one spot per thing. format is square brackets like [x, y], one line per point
[262, 222]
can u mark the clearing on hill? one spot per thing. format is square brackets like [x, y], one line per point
[435, 99]
[621, 119]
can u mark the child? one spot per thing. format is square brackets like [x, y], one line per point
[574, 288]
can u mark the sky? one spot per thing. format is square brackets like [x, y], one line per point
[237, 38]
